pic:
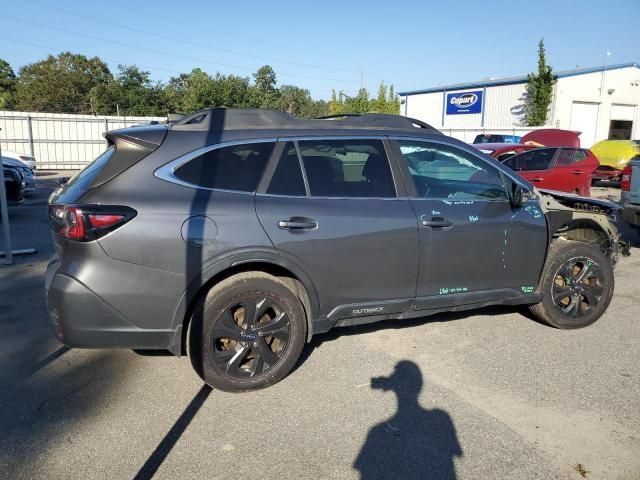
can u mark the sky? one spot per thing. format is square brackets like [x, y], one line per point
[327, 45]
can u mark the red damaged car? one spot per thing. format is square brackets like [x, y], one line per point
[549, 158]
[557, 168]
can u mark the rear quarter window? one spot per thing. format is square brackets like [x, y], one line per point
[82, 181]
[235, 167]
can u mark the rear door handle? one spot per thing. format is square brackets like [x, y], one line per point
[578, 172]
[298, 223]
[436, 222]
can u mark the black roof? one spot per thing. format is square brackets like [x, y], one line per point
[257, 118]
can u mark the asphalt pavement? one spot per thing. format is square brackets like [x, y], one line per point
[476, 395]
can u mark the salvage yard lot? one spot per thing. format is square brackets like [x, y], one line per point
[485, 394]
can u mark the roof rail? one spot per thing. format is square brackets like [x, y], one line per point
[259, 118]
[380, 119]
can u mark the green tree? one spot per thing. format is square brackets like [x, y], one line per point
[386, 102]
[60, 84]
[7, 85]
[264, 91]
[539, 90]
[131, 93]
[319, 108]
[295, 100]
[198, 90]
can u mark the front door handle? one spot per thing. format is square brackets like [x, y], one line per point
[436, 222]
[298, 223]
[537, 179]
[578, 172]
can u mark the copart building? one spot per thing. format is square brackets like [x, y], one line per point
[601, 102]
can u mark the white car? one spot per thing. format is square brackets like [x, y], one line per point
[23, 157]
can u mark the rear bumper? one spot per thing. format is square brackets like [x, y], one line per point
[630, 213]
[79, 318]
[606, 174]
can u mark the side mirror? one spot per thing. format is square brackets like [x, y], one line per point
[62, 181]
[517, 195]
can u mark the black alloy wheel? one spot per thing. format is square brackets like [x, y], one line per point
[247, 333]
[250, 336]
[578, 287]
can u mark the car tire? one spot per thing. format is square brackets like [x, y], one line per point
[577, 285]
[247, 333]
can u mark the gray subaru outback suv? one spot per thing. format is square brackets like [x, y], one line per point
[236, 235]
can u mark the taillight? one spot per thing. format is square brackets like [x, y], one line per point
[73, 228]
[84, 223]
[625, 183]
[104, 221]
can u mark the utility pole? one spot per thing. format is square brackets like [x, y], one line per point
[361, 77]
[5, 217]
[604, 72]
[4, 212]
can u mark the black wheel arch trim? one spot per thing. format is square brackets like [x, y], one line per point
[237, 259]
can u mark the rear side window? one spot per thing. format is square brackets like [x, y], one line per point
[581, 155]
[287, 179]
[85, 177]
[539, 159]
[565, 157]
[347, 168]
[236, 167]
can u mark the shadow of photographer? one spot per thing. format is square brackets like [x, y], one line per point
[415, 442]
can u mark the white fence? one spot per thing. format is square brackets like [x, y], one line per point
[60, 141]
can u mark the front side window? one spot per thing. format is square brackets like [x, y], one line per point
[539, 159]
[235, 167]
[447, 172]
[347, 168]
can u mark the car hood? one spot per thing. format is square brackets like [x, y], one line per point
[552, 137]
[615, 153]
[12, 162]
[581, 203]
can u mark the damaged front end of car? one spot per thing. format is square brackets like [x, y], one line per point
[584, 219]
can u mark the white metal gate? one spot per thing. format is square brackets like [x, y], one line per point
[584, 119]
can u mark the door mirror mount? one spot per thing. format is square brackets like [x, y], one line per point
[517, 195]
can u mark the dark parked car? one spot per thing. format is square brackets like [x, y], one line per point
[14, 184]
[237, 235]
[630, 193]
[496, 138]
[27, 173]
